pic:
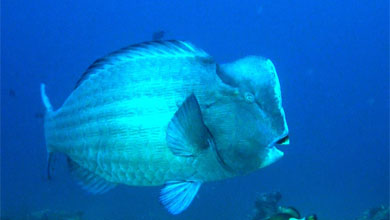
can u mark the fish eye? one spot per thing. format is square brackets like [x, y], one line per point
[249, 97]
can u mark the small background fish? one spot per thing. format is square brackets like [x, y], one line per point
[158, 35]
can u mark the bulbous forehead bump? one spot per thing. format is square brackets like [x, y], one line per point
[257, 75]
[269, 80]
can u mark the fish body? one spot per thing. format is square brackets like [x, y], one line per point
[165, 113]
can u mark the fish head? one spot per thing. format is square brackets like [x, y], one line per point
[255, 116]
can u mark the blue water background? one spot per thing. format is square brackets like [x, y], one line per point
[332, 58]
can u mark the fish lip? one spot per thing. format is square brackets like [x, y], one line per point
[272, 155]
[276, 146]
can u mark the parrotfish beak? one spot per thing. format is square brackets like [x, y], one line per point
[274, 154]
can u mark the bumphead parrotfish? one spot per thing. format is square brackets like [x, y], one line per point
[165, 113]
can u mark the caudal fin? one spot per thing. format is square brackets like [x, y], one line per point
[49, 110]
[45, 99]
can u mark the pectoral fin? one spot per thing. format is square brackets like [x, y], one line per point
[186, 133]
[176, 196]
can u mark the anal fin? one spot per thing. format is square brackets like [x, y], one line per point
[176, 196]
[88, 180]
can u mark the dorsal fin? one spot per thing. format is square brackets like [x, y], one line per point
[151, 49]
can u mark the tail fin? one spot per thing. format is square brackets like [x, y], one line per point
[45, 99]
[49, 109]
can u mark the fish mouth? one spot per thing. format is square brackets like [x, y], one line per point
[284, 140]
[273, 148]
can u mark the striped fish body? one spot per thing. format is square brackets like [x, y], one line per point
[165, 113]
[114, 122]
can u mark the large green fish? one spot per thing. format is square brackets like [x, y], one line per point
[164, 112]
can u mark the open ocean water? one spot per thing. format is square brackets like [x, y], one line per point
[332, 58]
